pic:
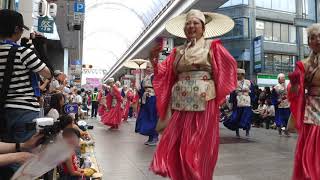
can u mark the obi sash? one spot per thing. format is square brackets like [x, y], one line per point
[192, 91]
[243, 96]
[282, 96]
[312, 109]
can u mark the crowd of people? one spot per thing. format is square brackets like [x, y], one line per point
[181, 98]
[30, 89]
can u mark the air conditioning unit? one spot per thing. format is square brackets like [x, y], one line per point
[43, 5]
[53, 9]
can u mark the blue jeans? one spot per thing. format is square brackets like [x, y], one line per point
[16, 125]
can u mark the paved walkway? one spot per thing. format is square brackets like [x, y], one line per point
[264, 156]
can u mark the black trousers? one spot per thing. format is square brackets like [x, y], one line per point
[94, 109]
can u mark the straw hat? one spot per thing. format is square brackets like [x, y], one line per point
[215, 24]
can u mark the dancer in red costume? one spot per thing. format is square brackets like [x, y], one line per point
[135, 102]
[102, 100]
[304, 96]
[113, 115]
[191, 84]
[127, 95]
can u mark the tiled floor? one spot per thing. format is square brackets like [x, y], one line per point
[264, 156]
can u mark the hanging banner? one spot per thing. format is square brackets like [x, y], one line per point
[45, 24]
[258, 53]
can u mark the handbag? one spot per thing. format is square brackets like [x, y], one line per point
[5, 88]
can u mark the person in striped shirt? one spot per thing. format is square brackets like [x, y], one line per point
[21, 104]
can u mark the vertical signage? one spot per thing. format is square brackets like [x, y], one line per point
[258, 53]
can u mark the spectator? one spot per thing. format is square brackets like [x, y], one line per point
[71, 168]
[19, 103]
[257, 114]
[56, 106]
[68, 121]
[78, 98]
[58, 82]
[269, 113]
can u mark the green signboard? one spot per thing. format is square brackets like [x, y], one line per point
[45, 24]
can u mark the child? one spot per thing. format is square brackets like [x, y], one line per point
[71, 168]
[67, 121]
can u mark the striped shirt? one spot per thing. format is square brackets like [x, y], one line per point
[20, 94]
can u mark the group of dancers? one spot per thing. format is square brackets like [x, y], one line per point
[117, 104]
[241, 101]
[184, 92]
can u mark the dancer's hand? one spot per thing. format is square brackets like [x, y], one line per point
[154, 55]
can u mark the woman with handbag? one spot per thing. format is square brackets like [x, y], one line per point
[304, 97]
[190, 85]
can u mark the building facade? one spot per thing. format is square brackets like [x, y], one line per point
[269, 35]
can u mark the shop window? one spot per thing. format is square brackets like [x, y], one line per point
[280, 5]
[292, 34]
[277, 63]
[268, 31]
[241, 29]
[264, 3]
[268, 63]
[309, 9]
[284, 33]
[234, 3]
[276, 32]
[305, 36]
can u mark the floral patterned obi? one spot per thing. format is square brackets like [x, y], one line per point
[192, 91]
[312, 109]
[281, 91]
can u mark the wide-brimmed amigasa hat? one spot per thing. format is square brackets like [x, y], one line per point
[215, 24]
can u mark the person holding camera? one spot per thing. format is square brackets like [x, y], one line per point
[11, 153]
[18, 102]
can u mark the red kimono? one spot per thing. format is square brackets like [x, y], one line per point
[102, 103]
[135, 104]
[188, 149]
[113, 116]
[307, 157]
[127, 100]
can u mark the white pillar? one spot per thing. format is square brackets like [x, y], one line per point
[66, 60]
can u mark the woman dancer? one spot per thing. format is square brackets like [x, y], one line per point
[281, 104]
[191, 84]
[127, 99]
[304, 97]
[113, 115]
[241, 104]
[148, 116]
[102, 100]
